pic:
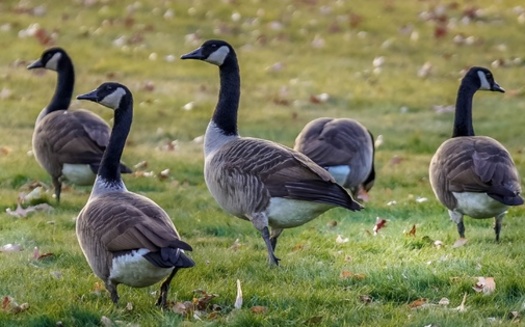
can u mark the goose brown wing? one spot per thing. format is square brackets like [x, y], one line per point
[481, 164]
[281, 172]
[127, 221]
[331, 142]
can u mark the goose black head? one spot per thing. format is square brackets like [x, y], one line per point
[50, 59]
[213, 51]
[484, 79]
[109, 94]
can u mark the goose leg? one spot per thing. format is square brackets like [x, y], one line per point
[57, 184]
[112, 289]
[497, 225]
[164, 288]
[274, 234]
[458, 219]
[260, 222]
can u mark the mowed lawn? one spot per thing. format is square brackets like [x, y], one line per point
[393, 65]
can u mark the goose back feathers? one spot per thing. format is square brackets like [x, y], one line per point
[474, 175]
[68, 144]
[342, 146]
[261, 181]
[125, 237]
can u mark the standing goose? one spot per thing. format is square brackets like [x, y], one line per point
[474, 175]
[345, 148]
[67, 144]
[125, 237]
[258, 180]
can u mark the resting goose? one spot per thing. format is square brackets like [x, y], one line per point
[258, 180]
[345, 148]
[67, 144]
[126, 238]
[474, 175]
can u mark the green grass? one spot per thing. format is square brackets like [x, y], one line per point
[392, 268]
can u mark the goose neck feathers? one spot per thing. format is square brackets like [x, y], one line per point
[118, 97]
[477, 78]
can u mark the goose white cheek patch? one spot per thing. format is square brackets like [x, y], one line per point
[218, 56]
[485, 85]
[112, 100]
[53, 62]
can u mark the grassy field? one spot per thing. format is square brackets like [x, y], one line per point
[387, 63]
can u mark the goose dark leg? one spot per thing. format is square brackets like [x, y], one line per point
[272, 259]
[274, 234]
[497, 225]
[112, 289]
[461, 229]
[57, 184]
[458, 219]
[164, 288]
[260, 221]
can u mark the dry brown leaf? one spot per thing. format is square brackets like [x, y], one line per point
[459, 243]
[412, 231]
[258, 309]
[380, 223]
[487, 285]
[341, 240]
[9, 305]
[345, 274]
[20, 212]
[444, 301]
[5, 150]
[182, 308]
[39, 256]
[236, 245]
[418, 303]
[367, 299]
[332, 223]
[106, 322]
[362, 194]
[141, 165]
[396, 160]
[202, 302]
[164, 174]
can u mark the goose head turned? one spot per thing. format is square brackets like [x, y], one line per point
[126, 237]
[474, 175]
[266, 183]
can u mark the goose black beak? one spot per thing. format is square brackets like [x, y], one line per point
[35, 64]
[90, 96]
[195, 54]
[496, 87]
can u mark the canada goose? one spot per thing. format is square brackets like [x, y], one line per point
[474, 175]
[125, 237]
[67, 144]
[342, 146]
[254, 179]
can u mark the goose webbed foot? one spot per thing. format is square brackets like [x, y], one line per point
[162, 301]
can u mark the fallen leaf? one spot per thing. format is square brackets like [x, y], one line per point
[462, 307]
[20, 212]
[367, 299]
[438, 244]
[418, 303]
[444, 301]
[379, 141]
[141, 165]
[164, 174]
[348, 274]
[236, 245]
[11, 248]
[362, 194]
[412, 231]
[258, 309]
[396, 160]
[182, 308]
[238, 299]
[487, 285]
[332, 223]
[106, 322]
[459, 243]
[202, 302]
[341, 240]
[380, 223]
[9, 305]
[39, 256]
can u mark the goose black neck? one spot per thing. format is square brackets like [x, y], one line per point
[64, 88]
[463, 116]
[225, 114]
[110, 164]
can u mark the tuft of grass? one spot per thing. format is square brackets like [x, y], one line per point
[320, 282]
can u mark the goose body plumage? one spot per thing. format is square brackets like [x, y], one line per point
[474, 175]
[126, 237]
[68, 144]
[258, 180]
[344, 147]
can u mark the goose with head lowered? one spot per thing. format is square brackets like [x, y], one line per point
[261, 181]
[126, 238]
[68, 144]
[345, 148]
[474, 175]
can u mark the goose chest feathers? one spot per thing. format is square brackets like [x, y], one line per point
[345, 148]
[126, 238]
[68, 144]
[474, 175]
[266, 183]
